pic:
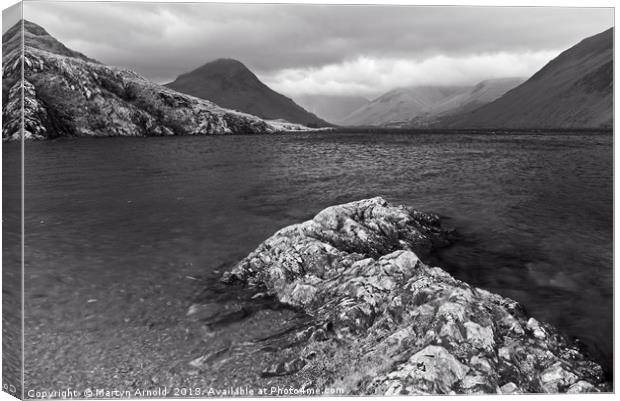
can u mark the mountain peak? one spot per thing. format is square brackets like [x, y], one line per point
[227, 62]
[223, 68]
[229, 83]
[34, 29]
[37, 37]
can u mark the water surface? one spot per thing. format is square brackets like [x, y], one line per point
[118, 229]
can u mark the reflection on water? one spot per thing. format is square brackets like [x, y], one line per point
[126, 221]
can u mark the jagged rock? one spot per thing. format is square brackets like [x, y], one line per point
[581, 387]
[430, 370]
[68, 94]
[215, 312]
[556, 378]
[534, 327]
[391, 324]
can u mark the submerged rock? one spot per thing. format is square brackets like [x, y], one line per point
[384, 322]
[285, 368]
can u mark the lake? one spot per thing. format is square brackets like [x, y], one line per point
[122, 232]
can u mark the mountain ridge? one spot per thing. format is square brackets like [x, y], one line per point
[574, 90]
[37, 37]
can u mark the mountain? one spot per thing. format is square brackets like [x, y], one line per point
[231, 84]
[332, 108]
[401, 105]
[422, 106]
[69, 94]
[482, 93]
[574, 90]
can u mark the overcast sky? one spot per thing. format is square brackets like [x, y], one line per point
[306, 49]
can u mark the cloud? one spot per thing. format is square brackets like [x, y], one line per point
[279, 41]
[372, 76]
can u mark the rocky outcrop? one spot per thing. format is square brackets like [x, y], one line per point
[68, 94]
[384, 322]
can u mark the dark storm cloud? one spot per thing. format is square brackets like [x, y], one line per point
[161, 41]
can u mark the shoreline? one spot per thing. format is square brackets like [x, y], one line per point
[349, 130]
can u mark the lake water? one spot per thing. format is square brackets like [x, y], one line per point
[119, 229]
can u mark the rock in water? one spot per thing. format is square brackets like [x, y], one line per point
[390, 324]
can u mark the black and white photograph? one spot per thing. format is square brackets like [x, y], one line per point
[218, 199]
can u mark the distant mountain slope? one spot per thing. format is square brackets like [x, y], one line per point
[401, 105]
[424, 105]
[332, 108]
[231, 84]
[69, 94]
[482, 93]
[573, 90]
